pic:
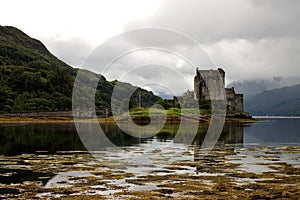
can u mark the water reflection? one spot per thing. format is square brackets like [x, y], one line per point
[16, 139]
[50, 138]
[233, 133]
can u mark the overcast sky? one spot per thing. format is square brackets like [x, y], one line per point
[248, 38]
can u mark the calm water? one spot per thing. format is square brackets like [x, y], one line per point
[273, 131]
[31, 138]
[49, 154]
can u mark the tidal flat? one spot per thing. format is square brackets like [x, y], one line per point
[230, 172]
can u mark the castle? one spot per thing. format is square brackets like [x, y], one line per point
[235, 102]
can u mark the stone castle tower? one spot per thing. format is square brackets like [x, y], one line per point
[235, 102]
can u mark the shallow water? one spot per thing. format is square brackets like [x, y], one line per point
[49, 161]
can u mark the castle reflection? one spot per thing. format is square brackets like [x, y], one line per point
[232, 137]
[232, 133]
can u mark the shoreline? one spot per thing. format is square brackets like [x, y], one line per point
[142, 120]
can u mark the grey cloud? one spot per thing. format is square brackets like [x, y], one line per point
[72, 51]
[248, 38]
[265, 58]
[210, 21]
[152, 66]
[118, 56]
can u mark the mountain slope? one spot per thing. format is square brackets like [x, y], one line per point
[17, 48]
[282, 101]
[251, 88]
[32, 79]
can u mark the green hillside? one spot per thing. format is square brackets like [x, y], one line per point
[32, 79]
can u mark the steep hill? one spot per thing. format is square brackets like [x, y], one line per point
[32, 79]
[283, 101]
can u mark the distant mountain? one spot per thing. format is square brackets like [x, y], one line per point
[283, 101]
[32, 79]
[251, 88]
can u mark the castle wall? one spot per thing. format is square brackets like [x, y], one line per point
[216, 78]
[235, 103]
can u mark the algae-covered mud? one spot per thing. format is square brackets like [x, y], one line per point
[48, 161]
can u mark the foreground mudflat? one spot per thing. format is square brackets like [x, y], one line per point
[228, 172]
